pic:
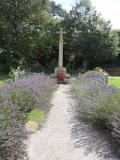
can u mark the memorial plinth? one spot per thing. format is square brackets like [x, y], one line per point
[60, 67]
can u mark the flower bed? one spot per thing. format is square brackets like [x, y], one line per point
[98, 103]
[16, 100]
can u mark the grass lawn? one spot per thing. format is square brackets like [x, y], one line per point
[36, 115]
[4, 78]
[114, 82]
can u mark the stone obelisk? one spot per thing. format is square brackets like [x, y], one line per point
[60, 61]
[60, 58]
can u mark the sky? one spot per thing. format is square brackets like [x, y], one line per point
[110, 9]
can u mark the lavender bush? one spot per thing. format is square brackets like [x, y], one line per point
[12, 132]
[99, 103]
[16, 100]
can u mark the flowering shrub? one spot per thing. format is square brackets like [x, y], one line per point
[99, 103]
[12, 132]
[16, 100]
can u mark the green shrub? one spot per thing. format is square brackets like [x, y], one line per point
[98, 103]
[22, 98]
[17, 98]
[104, 110]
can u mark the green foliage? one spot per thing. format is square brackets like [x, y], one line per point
[98, 103]
[4, 78]
[4, 68]
[108, 107]
[89, 37]
[29, 34]
[36, 115]
[18, 102]
[22, 98]
[17, 73]
[23, 26]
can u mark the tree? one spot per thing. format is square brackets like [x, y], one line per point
[28, 34]
[20, 19]
[28, 29]
[89, 37]
[118, 34]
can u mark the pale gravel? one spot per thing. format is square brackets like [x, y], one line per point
[54, 141]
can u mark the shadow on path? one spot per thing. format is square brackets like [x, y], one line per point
[94, 138]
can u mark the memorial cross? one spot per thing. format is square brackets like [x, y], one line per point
[60, 60]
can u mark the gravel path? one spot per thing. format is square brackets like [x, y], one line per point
[55, 141]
